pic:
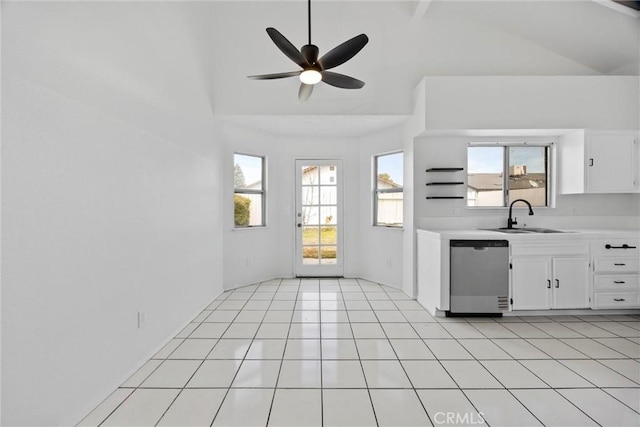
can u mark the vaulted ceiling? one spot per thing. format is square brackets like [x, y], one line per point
[189, 60]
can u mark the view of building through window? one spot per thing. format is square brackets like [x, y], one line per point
[319, 203]
[497, 175]
[248, 183]
[388, 191]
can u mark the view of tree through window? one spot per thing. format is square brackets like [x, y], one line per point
[388, 190]
[248, 183]
[499, 174]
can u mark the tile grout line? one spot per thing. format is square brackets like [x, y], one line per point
[243, 359]
[364, 375]
[616, 324]
[398, 358]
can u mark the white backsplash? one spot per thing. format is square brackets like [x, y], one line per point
[562, 222]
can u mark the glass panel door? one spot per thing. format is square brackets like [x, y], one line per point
[318, 218]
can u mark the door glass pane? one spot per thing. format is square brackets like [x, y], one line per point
[310, 195]
[528, 175]
[328, 175]
[310, 255]
[310, 235]
[310, 215]
[329, 235]
[328, 195]
[328, 254]
[328, 215]
[310, 175]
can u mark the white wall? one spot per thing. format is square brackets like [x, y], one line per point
[456, 105]
[531, 102]
[380, 248]
[100, 220]
[270, 250]
[570, 211]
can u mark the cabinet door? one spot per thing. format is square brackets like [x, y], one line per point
[530, 281]
[610, 164]
[570, 283]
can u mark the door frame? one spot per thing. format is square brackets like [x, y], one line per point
[331, 270]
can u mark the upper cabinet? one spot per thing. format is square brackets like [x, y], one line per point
[598, 162]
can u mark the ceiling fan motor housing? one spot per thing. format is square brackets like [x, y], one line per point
[310, 53]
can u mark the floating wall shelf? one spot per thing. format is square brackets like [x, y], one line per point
[444, 183]
[445, 197]
[444, 169]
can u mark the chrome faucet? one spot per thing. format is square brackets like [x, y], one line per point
[512, 222]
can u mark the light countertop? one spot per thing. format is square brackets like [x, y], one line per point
[446, 234]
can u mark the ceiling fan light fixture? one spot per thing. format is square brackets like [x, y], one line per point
[310, 77]
[314, 69]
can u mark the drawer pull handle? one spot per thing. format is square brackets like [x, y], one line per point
[625, 246]
[619, 263]
[619, 299]
[548, 284]
[619, 282]
[557, 283]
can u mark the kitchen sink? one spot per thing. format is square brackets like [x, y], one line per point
[546, 230]
[525, 230]
[510, 230]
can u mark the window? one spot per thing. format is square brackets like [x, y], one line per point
[501, 173]
[248, 190]
[388, 195]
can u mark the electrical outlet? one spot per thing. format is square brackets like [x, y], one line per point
[389, 262]
[142, 319]
[248, 261]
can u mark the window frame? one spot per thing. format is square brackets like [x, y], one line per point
[377, 191]
[550, 169]
[262, 191]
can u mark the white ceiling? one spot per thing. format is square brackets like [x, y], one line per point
[188, 61]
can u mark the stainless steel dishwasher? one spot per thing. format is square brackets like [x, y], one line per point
[479, 277]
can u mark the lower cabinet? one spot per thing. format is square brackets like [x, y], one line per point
[616, 278]
[542, 282]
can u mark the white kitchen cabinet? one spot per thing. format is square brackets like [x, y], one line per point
[570, 285]
[616, 278]
[530, 283]
[598, 162]
[550, 276]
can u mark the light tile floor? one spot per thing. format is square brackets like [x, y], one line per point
[348, 352]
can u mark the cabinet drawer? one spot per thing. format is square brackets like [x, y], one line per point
[616, 247]
[573, 248]
[617, 264]
[615, 299]
[617, 282]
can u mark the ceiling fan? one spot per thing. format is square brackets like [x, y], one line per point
[314, 70]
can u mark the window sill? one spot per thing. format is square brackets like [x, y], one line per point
[388, 227]
[253, 227]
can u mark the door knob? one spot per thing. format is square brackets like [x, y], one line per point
[299, 225]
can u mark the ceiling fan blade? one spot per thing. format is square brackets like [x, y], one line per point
[287, 47]
[305, 91]
[341, 81]
[344, 52]
[275, 76]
